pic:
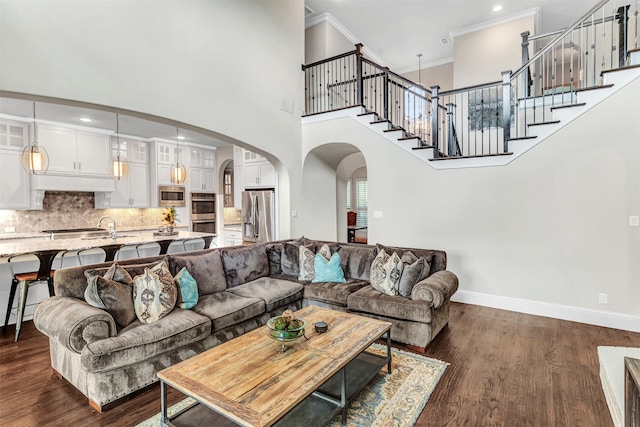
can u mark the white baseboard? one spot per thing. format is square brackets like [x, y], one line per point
[626, 322]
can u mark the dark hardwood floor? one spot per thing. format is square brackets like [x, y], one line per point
[506, 369]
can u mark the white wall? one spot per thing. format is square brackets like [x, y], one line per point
[324, 41]
[441, 75]
[481, 56]
[223, 66]
[551, 227]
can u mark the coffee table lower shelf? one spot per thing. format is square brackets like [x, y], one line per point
[318, 409]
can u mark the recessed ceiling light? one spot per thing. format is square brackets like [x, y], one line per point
[497, 8]
[85, 119]
[181, 138]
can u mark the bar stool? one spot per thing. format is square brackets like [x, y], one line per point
[25, 280]
[207, 241]
[163, 244]
[196, 240]
[110, 252]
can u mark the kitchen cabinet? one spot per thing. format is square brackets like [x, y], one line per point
[166, 154]
[133, 191]
[14, 191]
[232, 237]
[238, 176]
[201, 171]
[202, 158]
[259, 174]
[201, 180]
[75, 152]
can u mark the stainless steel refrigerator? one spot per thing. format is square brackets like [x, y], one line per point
[258, 215]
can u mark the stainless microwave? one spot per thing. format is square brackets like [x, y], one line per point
[169, 195]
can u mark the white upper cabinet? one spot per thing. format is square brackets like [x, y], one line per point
[14, 191]
[258, 171]
[201, 173]
[13, 135]
[75, 152]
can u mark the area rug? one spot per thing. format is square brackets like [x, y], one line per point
[389, 400]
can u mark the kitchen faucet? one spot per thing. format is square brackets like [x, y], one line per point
[112, 229]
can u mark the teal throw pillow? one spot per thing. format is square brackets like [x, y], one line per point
[188, 295]
[328, 271]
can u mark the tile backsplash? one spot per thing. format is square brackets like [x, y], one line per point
[232, 216]
[63, 209]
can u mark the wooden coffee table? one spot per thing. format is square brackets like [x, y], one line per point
[248, 381]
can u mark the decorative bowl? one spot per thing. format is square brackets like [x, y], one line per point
[292, 333]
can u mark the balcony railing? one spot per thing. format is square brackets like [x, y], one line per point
[481, 120]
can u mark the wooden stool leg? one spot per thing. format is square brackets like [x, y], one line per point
[12, 294]
[22, 302]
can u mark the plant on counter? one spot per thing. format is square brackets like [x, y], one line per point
[170, 216]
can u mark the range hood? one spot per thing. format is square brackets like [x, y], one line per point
[72, 183]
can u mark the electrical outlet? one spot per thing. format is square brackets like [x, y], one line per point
[9, 229]
[294, 213]
[603, 298]
[634, 221]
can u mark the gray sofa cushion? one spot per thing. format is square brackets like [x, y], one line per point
[356, 261]
[368, 300]
[205, 268]
[333, 293]
[244, 264]
[274, 292]
[140, 341]
[226, 309]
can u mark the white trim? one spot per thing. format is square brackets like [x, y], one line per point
[625, 322]
[535, 12]
[312, 20]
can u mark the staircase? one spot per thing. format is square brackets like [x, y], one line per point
[471, 127]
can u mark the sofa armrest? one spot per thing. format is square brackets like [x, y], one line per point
[73, 323]
[436, 288]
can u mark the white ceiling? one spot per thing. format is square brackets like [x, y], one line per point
[397, 30]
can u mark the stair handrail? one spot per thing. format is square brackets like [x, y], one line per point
[553, 42]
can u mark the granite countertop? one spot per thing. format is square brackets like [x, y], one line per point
[33, 244]
[38, 234]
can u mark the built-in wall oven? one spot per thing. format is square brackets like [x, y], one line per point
[203, 212]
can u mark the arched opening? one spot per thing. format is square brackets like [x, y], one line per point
[327, 172]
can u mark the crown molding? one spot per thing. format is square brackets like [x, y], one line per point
[315, 19]
[535, 12]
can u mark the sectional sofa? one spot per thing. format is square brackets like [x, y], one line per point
[239, 289]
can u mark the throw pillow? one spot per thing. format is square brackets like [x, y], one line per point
[115, 298]
[187, 289]
[154, 293]
[306, 259]
[112, 292]
[378, 273]
[415, 269]
[290, 258]
[386, 272]
[328, 270]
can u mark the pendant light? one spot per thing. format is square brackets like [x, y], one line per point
[118, 165]
[178, 171]
[35, 158]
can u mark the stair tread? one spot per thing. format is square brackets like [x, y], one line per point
[519, 138]
[379, 121]
[404, 138]
[580, 104]
[393, 130]
[366, 114]
[471, 157]
[594, 88]
[422, 147]
[552, 122]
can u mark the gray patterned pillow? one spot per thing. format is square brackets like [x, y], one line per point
[154, 293]
[307, 261]
[386, 272]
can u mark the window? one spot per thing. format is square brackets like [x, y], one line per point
[358, 201]
[228, 188]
